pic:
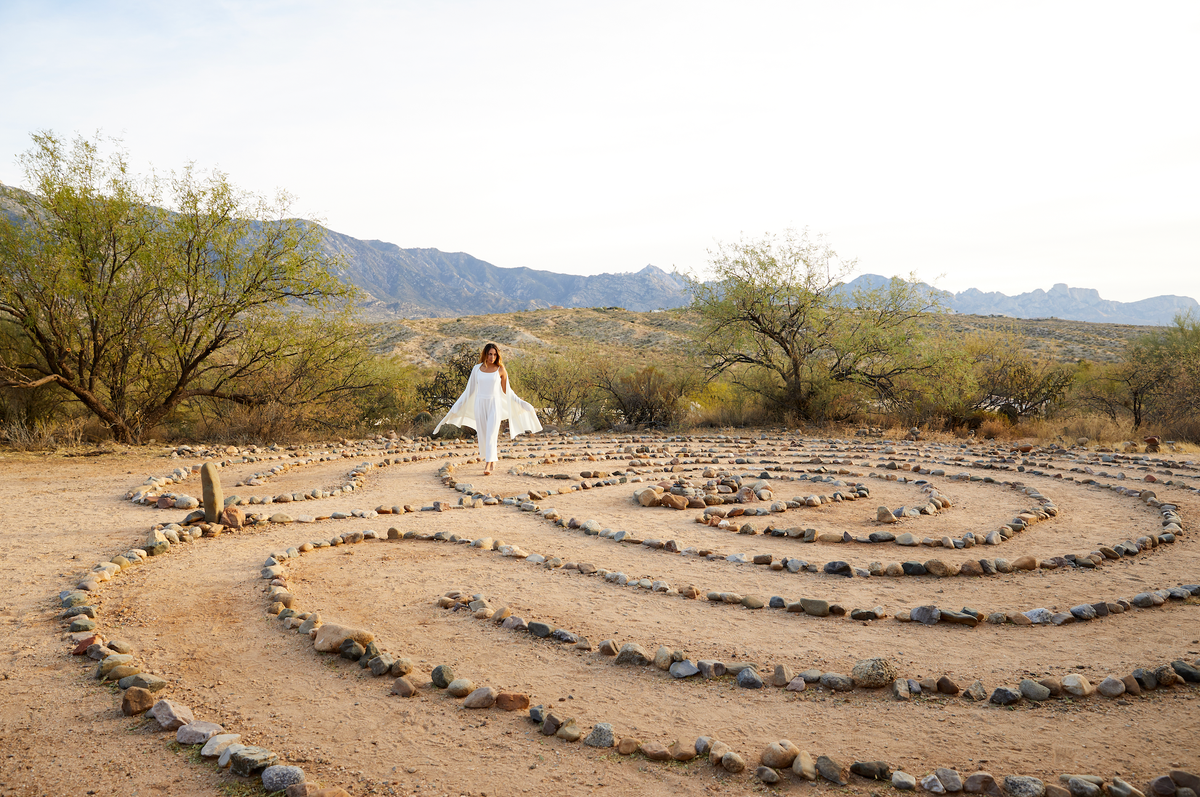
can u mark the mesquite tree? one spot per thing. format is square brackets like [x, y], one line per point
[136, 294]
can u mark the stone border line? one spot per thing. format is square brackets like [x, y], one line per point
[782, 755]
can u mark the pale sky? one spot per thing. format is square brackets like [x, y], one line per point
[1004, 146]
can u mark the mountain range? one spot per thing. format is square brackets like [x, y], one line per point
[425, 283]
[428, 283]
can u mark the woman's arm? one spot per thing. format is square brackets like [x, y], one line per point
[503, 380]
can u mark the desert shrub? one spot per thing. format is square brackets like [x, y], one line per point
[561, 389]
[43, 435]
[643, 397]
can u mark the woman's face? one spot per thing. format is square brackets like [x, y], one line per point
[489, 355]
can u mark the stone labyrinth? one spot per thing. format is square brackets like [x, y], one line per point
[746, 610]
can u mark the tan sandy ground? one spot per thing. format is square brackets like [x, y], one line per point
[198, 617]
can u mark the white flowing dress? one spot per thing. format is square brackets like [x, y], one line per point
[483, 405]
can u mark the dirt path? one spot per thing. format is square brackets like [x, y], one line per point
[198, 618]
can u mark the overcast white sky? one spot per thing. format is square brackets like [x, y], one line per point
[1004, 146]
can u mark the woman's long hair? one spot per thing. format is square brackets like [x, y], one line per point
[483, 354]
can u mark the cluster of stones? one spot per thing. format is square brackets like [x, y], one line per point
[154, 492]
[1084, 612]
[869, 673]
[144, 692]
[1140, 681]
[934, 567]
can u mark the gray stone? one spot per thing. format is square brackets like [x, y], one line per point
[151, 683]
[217, 744]
[1032, 690]
[214, 499]
[601, 735]
[1111, 687]
[278, 777]
[1024, 786]
[927, 615]
[749, 679]
[1005, 696]
[684, 669]
[902, 781]
[634, 654]
[950, 779]
[172, 716]
[251, 759]
[197, 732]
[442, 675]
[836, 682]
[873, 673]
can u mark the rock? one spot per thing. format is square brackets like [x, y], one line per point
[1119, 788]
[884, 515]
[330, 637]
[1111, 687]
[633, 654]
[931, 783]
[900, 689]
[681, 751]
[1078, 787]
[683, 669]
[483, 697]
[1024, 786]
[278, 777]
[512, 701]
[460, 687]
[628, 746]
[136, 700]
[747, 678]
[662, 658]
[950, 779]
[980, 782]
[872, 770]
[601, 736]
[815, 607]
[927, 615]
[766, 774]
[1005, 696]
[442, 676]
[836, 682]
[1032, 690]
[732, 762]
[902, 781]
[805, 766]
[198, 732]
[1188, 673]
[779, 756]
[217, 744]
[832, 771]
[172, 716]
[873, 673]
[403, 687]
[1076, 685]
[569, 731]
[947, 686]
[975, 692]
[251, 759]
[1162, 786]
[151, 683]
[656, 751]
[710, 669]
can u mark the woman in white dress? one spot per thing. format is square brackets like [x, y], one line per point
[487, 401]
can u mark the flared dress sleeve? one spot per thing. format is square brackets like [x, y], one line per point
[463, 411]
[520, 414]
[522, 417]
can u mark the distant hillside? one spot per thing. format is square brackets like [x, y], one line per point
[1061, 301]
[429, 283]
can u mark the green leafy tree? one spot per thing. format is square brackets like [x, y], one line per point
[137, 294]
[778, 308]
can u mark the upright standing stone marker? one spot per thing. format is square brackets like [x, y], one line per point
[214, 499]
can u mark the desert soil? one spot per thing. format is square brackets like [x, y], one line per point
[198, 617]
